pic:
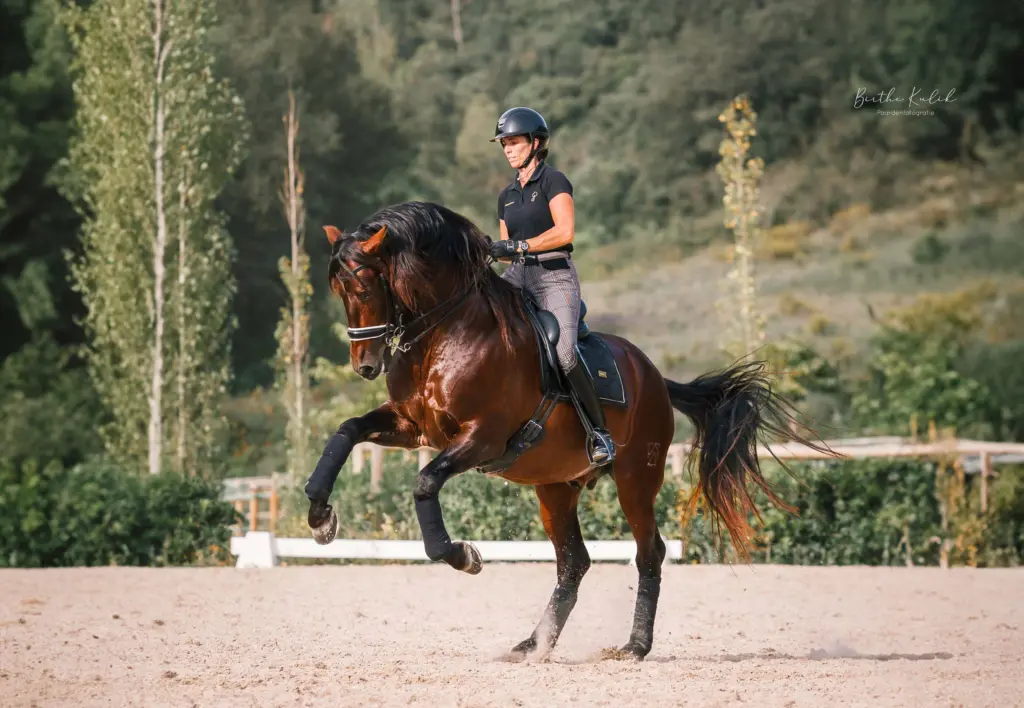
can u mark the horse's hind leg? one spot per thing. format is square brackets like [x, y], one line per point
[638, 483]
[558, 512]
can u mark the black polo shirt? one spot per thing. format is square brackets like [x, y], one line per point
[526, 210]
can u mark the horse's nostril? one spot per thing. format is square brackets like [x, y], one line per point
[366, 371]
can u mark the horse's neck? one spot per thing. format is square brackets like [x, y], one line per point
[460, 330]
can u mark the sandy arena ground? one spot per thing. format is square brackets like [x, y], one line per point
[431, 636]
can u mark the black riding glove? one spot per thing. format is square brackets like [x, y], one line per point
[507, 248]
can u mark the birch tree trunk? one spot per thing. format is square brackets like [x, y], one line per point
[181, 453]
[457, 24]
[293, 329]
[296, 222]
[160, 51]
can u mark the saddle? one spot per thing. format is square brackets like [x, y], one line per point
[592, 351]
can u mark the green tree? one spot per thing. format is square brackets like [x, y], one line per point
[36, 221]
[158, 135]
[914, 367]
[744, 323]
[48, 407]
[293, 327]
[353, 157]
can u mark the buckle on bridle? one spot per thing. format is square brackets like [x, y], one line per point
[394, 342]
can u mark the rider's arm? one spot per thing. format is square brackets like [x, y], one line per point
[504, 229]
[562, 233]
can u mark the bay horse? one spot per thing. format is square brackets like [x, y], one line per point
[464, 370]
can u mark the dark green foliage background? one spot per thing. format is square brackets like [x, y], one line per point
[96, 514]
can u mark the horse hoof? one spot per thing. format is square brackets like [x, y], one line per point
[525, 647]
[327, 531]
[522, 650]
[531, 649]
[474, 561]
[634, 650]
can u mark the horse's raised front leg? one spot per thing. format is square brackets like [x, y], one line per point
[384, 426]
[464, 453]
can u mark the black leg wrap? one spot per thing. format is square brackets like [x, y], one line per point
[436, 541]
[321, 482]
[556, 614]
[562, 601]
[642, 636]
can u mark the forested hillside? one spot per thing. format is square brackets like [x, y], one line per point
[397, 100]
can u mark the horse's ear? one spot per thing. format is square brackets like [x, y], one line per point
[370, 245]
[333, 233]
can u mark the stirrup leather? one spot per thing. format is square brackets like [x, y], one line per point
[600, 446]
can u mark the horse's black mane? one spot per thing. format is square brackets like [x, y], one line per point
[431, 252]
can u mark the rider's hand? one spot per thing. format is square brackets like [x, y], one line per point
[506, 248]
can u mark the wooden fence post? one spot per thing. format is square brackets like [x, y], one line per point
[423, 457]
[357, 458]
[986, 470]
[376, 468]
[254, 509]
[676, 455]
[273, 508]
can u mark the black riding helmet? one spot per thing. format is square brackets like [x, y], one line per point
[523, 121]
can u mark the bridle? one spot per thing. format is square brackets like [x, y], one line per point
[393, 332]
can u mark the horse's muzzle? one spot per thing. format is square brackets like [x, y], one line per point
[369, 372]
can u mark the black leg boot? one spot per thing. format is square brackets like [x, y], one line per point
[601, 447]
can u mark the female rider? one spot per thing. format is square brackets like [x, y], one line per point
[537, 221]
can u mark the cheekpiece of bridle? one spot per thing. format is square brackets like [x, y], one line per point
[393, 331]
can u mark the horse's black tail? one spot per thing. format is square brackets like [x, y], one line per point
[730, 410]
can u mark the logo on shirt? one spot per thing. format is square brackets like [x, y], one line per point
[510, 204]
[533, 197]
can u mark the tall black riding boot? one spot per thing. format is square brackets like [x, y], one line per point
[601, 448]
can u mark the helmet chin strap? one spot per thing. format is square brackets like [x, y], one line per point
[529, 158]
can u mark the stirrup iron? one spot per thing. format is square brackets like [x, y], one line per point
[600, 448]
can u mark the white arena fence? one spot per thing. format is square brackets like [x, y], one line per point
[262, 549]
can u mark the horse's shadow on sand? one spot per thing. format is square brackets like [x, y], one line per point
[839, 652]
[813, 655]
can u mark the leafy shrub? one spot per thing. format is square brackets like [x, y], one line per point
[48, 408]
[785, 241]
[929, 249]
[845, 220]
[97, 514]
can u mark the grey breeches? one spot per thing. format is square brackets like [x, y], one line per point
[557, 291]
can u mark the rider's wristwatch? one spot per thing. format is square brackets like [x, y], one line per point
[524, 246]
